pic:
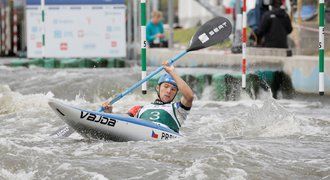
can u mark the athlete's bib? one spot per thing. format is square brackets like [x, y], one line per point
[163, 113]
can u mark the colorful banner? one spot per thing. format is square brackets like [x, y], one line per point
[72, 2]
[91, 30]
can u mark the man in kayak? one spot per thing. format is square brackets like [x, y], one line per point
[163, 110]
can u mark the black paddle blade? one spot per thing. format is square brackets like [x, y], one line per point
[211, 33]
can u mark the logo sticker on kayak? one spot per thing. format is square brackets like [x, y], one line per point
[98, 119]
[167, 136]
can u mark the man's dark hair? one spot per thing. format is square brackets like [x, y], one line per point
[277, 3]
[274, 3]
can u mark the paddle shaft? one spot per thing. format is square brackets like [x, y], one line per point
[136, 85]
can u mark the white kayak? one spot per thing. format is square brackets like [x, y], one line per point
[98, 125]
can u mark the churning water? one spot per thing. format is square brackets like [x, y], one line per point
[245, 139]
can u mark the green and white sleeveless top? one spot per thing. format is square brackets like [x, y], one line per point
[171, 115]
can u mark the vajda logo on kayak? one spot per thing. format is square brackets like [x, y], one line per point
[98, 118]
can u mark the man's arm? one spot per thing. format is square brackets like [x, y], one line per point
[187, 93]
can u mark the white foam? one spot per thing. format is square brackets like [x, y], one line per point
[196, 170]
[6, 174]
[64, 166]
[208, 93]
[93, 175]
[83, 171]
[4, 88]
[16, 102]
[264, 119]
[209, 126]
[14, 143]
[236, 174]
[270, 120]
[88, 149]
[152, 172]
[283, 127]
[300, 104]
[2, 67]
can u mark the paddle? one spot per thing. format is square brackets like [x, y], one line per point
[209, 34]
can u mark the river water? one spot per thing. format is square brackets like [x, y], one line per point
[245, 139]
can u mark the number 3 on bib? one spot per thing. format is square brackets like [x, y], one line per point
[155, 115]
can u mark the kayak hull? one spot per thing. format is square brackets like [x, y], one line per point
[98, 125]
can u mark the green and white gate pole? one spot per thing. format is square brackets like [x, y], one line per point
[43, 31]
[321, 47]
[143, 45]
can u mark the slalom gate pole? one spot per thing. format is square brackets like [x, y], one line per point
[143, 45]
[43, 27]
[244, 39]
[321, 47]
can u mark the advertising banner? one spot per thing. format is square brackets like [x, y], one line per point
[94, 28]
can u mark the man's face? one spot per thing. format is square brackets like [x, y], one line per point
[167, 92]
[156, 19]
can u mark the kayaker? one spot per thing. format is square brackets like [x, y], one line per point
[163, 110]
